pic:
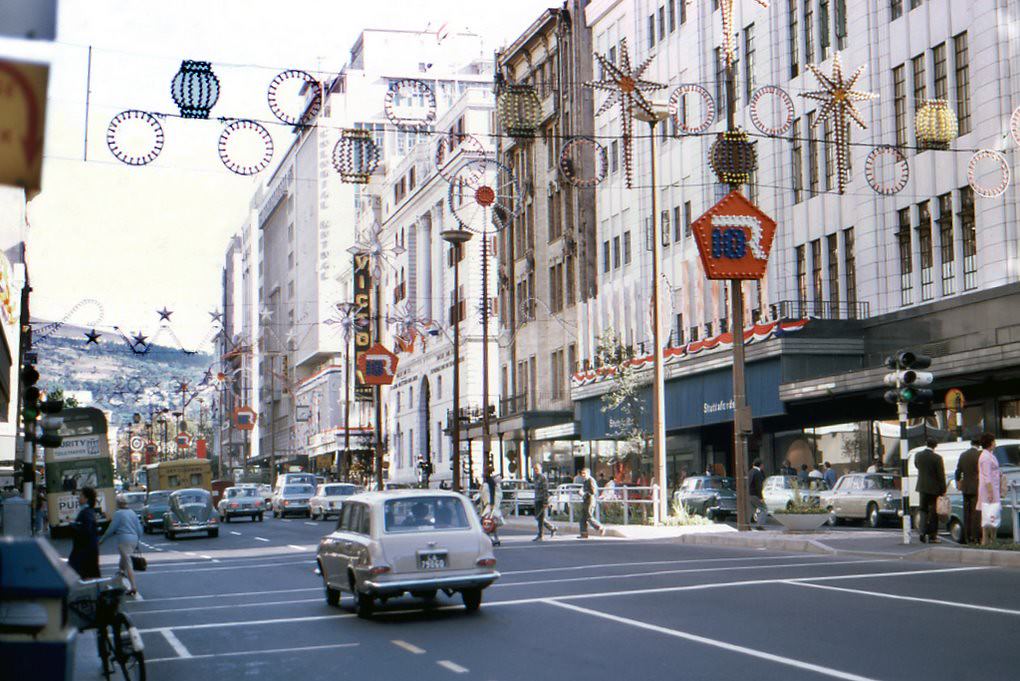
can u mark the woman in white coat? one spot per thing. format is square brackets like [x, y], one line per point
[492, 501]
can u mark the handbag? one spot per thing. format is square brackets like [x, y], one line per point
[943, 507]
[138, 562]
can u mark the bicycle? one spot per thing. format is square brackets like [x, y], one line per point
[96, 605]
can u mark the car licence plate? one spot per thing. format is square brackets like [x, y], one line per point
[431, 561]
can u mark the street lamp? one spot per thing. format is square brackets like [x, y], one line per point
[456, 238]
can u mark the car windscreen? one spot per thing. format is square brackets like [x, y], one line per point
[298, 490]
[889, 482]
[235, 492]
[718, 483]
[1008, 455]
[423, 514]
[191, 498]
[338, 490]
[158, 498]
[135, 498]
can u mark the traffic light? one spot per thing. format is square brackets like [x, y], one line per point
[51, 423]
[906, 379]
[29, 400]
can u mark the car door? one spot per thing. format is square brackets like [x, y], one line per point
[839, 494]
[772, 493]
[334, 550]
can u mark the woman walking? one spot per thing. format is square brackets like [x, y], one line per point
[84, 558]
[492, 499]
[126, 530]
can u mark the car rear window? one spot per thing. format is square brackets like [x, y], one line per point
[718, 483]
[191, 498]
[158, 497]
[296, 490]
[338, 490]
[423, 514]
[241, 492]
[1008, 455]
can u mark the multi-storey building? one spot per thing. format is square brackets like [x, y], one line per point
[233, 390]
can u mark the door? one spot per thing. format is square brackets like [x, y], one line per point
[839, 495]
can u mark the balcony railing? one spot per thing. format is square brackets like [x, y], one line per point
[819, 309]
[514, 404]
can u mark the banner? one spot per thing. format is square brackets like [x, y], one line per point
[362, 321]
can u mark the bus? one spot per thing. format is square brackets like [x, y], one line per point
[81, 460]
[179, 474]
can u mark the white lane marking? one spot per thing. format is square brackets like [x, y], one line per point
[452, 666]
[138, 596]
[299, 548]
[175, 643]
[311, 523]
[237, 534]
[203, 608]
[282, 620]
[206, 557]
[915, 599]
[231, 594]
[261, 539]
[653, 562]
[715, 643]
[330, 646]
[409, 647]
[232, 567]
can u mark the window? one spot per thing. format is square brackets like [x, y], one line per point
[651, 31]
[569, 284]
[812, 146]
[900, 104]
[678, 331]
[850, 272]
[801, 279]
[809, 38]
[688, 218]
[626, 248]
[616, 252]
[553, 210]
[947, 249]
[941, 74]
[720, 79]
[816, 271]
[896, 8]
[830, 155]
[924, 243]
[823, 28]
[968, 227]
[794, 41]
[678, 224]
[692, 333]
[664, 218]
[556, 374]
[571, 359]
[833, 255]
[840, 24]
[683, 12]
[671, 11]
[962, 64]
[914, 4]
[797, 153]
[749, 61]
[614, 156]
[662, 24]
[605, 256]
[752, 180]
[554, 287]
[906, 257]
[920, 86]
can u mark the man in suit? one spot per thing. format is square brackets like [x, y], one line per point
[541, 502]
[931, 484]
[967, 483]
[755, 483]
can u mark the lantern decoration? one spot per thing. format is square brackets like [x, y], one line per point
[936, 125]
[519, 109]
[380, 251]
[900, 167]
[410, 104]
[135, 137]
[447, 145]
[989, 191]
[573, 160]
[726, 6]
[678, 108]
[195, 89]
[626, 88]
[245, 157]
[484, 192]
[1014, 125]
[355, 156]
[838, 96]
[733, 157]
[785, 120]
[311, 109]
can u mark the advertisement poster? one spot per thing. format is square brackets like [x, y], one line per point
[76, 448]
[64, 506]
[363, 316]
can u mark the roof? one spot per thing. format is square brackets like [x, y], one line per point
[376, 496]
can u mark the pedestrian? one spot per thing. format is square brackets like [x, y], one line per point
[931, 484]
[755, 483]
[803, 477]
[787, 469]
[967, 482]
[876, 465]
[84, 558]
[602, 480]
[126, 530]
[989, 490]
[816, 473]
[541, 502]
[492, 501]
[41, 518]
[830, 475]
[590, 491]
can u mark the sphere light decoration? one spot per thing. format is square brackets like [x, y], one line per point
[355, 156]
[519, 110]
[733, 157]
[195, 89]
[135, 137]
[678, 108]
[936, 124]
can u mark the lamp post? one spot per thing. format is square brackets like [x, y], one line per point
[456, 238]
[346, 320]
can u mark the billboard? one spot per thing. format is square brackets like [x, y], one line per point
[362, 319]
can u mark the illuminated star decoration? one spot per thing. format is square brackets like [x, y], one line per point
[406, 324]
[626, 88]
[216, 316]
[164, 314]
[727, 26]
[371, 243]
[93, 337]
[139, 339]
[838, 96]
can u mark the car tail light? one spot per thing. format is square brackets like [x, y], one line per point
[486, 562]
[286, 503]
[213, 519]
[233, 505]
[378, 570]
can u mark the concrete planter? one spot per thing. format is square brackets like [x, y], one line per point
[801, 522]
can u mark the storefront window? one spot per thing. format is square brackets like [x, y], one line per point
[1010, 410]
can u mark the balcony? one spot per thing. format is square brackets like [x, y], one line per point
[515, 404]
[819, 309]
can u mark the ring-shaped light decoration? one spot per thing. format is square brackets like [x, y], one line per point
[988, 191]
[484, 192]
[355, 156]
[448, 145]
[708, 104]
[784, 99]
[135, 123]
[312, 108]
[247, 128]
[1014, 125]
[900, 164]
[419, 113]
[573, 152]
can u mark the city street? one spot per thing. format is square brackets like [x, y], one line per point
[248, 605]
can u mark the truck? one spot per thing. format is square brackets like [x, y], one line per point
[179, 474]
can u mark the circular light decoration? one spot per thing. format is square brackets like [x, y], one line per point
[484, 192]
[733, 157]
[519, 110]
[448, 145]
[1014, 125]
[899, 165]
[410, 104]
[246, 148]
[786, 118]
[988, 191]
[573, 157]
[936, 124]
[355, 156]
[678, 108]
[310, 108]
[195, 89]
[135, 137]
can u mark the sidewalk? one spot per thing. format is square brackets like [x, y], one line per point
[567, 529]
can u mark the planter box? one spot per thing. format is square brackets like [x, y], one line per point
[801, 522]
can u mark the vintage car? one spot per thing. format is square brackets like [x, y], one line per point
[955, 523]
[135, 501]
[781, 492]
[410, 541]
[712, 496]
[564, 496]
[292, 499]
[156, 504]
[329, 498]
[871, 497]
[241, 500]
[190, 510]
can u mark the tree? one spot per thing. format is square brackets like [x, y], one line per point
[57, 394]
[623, 399]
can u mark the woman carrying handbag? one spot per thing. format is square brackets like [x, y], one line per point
[126, 530]
[492, 500]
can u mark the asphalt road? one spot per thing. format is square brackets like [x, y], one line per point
[248, 605]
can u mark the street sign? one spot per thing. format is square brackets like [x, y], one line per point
[137, 443]
[245, 418]
[955, 400]
[22, 123]
[183, 440]
[377, 366]
[362, 317]
[734, 239]
[151, 448]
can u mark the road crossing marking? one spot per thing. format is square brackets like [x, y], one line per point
[311, 523]
[175, 643]
[282, 620]
[595, 566]
[203, 608]
[261, 539]
[235, 593]
[329, 646]
[236, 534]
[933, 601]
[231, 567]
[452, 666]
[409, 647]
[298, 548]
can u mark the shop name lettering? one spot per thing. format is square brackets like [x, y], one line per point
[716, 407]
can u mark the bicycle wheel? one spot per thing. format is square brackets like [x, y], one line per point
[127, 649]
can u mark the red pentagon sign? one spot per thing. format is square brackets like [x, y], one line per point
[377, 366]
[734, 239]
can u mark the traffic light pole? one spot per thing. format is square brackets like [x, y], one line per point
[903, 409]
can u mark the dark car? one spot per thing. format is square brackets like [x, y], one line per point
[712, 496]
[190, 510]
[156, 504]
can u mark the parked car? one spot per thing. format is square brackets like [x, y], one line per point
[1006, 451]
[266, 492]
[783, 491]
[409, 541]
[329, 499]
[136, 502]
[156, 504]
[712, 496]
[566, 494]
[190, 510]
[955, 523]
[871, 497]
[291, 499]
[241, 500]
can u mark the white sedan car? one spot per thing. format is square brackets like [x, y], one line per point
[420, 542]
[329, 498]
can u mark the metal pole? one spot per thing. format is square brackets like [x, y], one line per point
[272, 418]
[347, 408]
[486, 435]
[456, 368]
[904, 454]
[378, 395]
[658, 385]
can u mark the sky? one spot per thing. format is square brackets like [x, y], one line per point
[136, 239]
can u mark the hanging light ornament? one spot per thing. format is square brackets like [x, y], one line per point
[936, 125]
[626, 88]
[519, 110]
[733, 157]
[380, 252]
[135, 137]
[355, 156]
[484, 193]
[726, 6]
[838, 96]
[678, 108]
[310, 107]
[195, 89]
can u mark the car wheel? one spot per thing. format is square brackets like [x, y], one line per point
[364, 604]
[170, 535]
[873, 518]
[956, 530]
[833, 518]
[308, 514]
[260, 517]
[226, 518]
[472, 599]
[214, 533]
